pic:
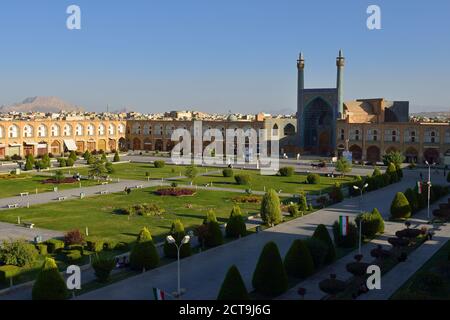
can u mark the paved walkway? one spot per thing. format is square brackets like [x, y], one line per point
[11, 231]
[203, 273]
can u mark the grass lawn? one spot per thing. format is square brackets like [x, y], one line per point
[29, 183]
[98, 213]
[438, 264]
[137, 171]
[293, 184]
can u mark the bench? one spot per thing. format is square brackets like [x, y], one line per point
[139, 186]
[28, 225]
[104, 183]
[104, 192]
[62, 198]
[13, 205]
[24, 194]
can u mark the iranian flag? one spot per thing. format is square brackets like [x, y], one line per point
[419, 187]
[343, 225]
[159, 294]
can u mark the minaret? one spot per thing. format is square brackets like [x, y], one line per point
[340, 62]
[300, 88]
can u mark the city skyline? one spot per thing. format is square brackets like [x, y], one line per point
[153, 57]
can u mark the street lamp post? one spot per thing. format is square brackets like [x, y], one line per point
[360, 211]
[171, 240]
[429, 187]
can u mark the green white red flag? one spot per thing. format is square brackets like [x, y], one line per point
[343, 225]
[159, 294]
[419, 187]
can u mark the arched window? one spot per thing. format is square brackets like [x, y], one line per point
[101, 129]
[342, 134]
[42, 131]
[111, 129]
[13, 131]
[147, 129]
[79, 129]
[27, 131]
[67, 130]
[289, 130]
[136, 128]
[121, 128]
[55, 130]
[90, 129]
[2, 132]
[275, 130]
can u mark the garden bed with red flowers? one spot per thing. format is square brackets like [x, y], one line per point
[176, 192]
[64, 180]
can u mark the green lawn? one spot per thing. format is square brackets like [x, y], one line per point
[98, 213]
[137, 171]
[29, 183]
[293, 184]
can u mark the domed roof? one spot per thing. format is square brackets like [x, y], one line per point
[232, 117]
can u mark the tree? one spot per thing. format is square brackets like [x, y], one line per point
[343, 166]
[98, 169]
[73, 156]
[302, 204]
[62, 162]
[49, 284]
[318, 250]
[116, 157]
[191, 172]
[336, 193]
[17, 253]
[103, 158]
[109, 167]
[400, 208]
[59, 176]
[321, 233]
[144, 254]
[236, 225]
[269, 277]
[413, 200]
[376, 172]
[178, 233]
[45, 161]
[86, 155]
[391, 172]
[233, 287]
[371, 223]
[270, 208]
[298, 261]
[29, 163]
[394, 157]
[103, 267]
[286, 171]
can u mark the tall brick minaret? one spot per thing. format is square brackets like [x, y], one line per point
[340, 62]
[300, 88]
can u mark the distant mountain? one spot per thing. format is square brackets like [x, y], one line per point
[432, 114]
[41, 104]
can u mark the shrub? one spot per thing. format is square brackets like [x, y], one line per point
[91, 160]
[233, 287]
[321, 233]
[430, 282]
[400, 208]
[42, 249]
[75, 247]
[343, 166]
[313, 178]
[74, 237]
[121, 246]
[49, 284]
[336, 195]
[214, 236]
[269, 277]
[371, 223]
[29, 163]
[448, 177]
[227, 172]
[270, 208]
[18, 253]
[236, 225]
[176, 192]
[94, 245]
[62, 162]
[348, 241]
[70, 162]
[109, 245]
[54, 245]
[191, 172]
[302, 204]
[298, 261]
[286, 171]
[8, 272]
[413, 200]
[159, 164]
[103, 267]
[144, 254]
[116, 157]
[394, 157]
[376, 172]
[73, 256]
[178, 233]
[243, 179]
[293, 210]
[109, 167]
[391, 172]
[318, 250]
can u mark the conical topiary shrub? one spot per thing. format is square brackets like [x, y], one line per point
[144, 254]
[270, 208]
[49, 284]
[178, 233]
[400, 208]
[269, 277]
[236, 225]
[302, 204]
[298, 261]
[322, 234]
[233, 287]
[391, 171]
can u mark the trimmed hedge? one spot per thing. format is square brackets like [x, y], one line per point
[233, 287]
[144, 254]
[371, 223]
[94, 245]
[8, 272]
[321, 233]
[42, 249]
[49, 284]
[73, 256]
[270, 208]
[313, 178]
[298, 261]
[286, 171]
[54, 245]
[236, 225]
[400, 208]
[159, 164]
[243, 179]
[227, 172]
[318, 250]
[103, 268]
[177, 232]
[269, 277]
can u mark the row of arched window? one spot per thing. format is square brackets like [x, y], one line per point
[393, 135]
[55, 130]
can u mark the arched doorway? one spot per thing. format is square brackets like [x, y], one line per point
[318, 126]
[55, 147]
[80, 146]
[411, 155]
[373, 154]
[158, 145]
[356, 152]
[289, 130]
[147, 144]
[340, 150]
[390, 150]
[123, 144]
[136, 144]
[112, 145]
[91, 146]
[102, 144]
[431, 155]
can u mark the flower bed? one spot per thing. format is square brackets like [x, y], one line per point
[247, 199]
[54, 181]
[176, 192]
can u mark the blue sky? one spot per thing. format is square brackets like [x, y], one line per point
[216, 56]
